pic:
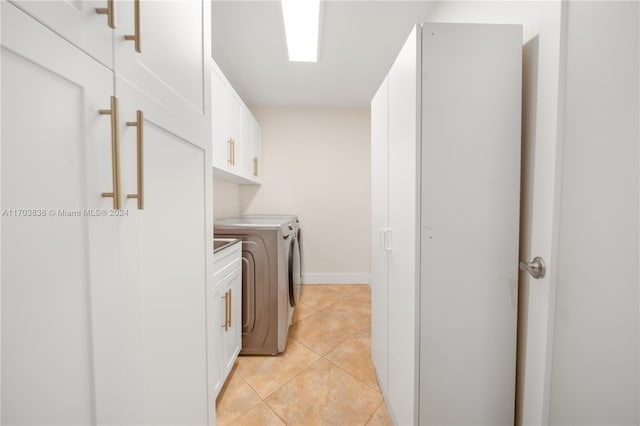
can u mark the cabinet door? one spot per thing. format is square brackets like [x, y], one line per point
[232, 309]
[256, 172]
[216, 316]
[78, 23]
[170, 65]
[244, 147]
[234, 338]
[403, 157]
[221, 149]
[379, 223]
[60, 272]
[233, 118]
[170, 236]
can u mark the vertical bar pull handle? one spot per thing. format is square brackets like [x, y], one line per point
[230, 308]
[109, 12]
[255, 166]
[115, 152]
[229, 151]
[139, 124]
[226, 310]
[136, 27]
[233, 152]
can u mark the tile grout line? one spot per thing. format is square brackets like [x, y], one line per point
[234, 370]
[374, 412]
[357, 328]
[289, 381]
[376, 388]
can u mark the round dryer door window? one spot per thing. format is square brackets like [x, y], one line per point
[294, 272]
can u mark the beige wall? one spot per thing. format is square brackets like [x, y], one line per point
[316, 165]
[226, 199]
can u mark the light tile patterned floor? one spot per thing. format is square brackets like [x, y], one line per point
[325, 376]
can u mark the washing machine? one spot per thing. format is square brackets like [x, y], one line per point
[270, 274]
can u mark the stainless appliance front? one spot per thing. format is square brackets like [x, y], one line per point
[266, 307]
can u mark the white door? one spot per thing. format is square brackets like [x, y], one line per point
[536, 226]
[60, 271]
[77, 22]
[165, 246]
[403, 158]
[379, 224]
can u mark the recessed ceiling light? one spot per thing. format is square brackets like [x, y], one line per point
[301, 25]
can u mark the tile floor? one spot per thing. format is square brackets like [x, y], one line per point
[324, 377]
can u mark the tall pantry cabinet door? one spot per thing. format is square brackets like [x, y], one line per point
[403, 204]
[78, 23]
[379, 224]
[470, 214]
[60, 271]
[166, 256]
[162, 47]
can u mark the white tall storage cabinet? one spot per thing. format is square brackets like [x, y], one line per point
[107, 231]
[445, 149]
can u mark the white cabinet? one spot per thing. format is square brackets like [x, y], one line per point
[232, 337]
[256, 151]
[445, 213]
[161, 47]
[60, 269]
[224, 304]
[236, 135]
[104, 318]
[78, 23]
[379, 224]
[167, 274]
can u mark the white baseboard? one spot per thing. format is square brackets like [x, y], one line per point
[327, 278]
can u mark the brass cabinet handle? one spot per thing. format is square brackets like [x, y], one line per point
[255, 166]
[226, 310]
[230, 308]
[136, 26]
[139, 124]
[233, 152]
[109, 12]
[229, 151]
[115, 152]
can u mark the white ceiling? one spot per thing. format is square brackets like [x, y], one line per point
[358, 42]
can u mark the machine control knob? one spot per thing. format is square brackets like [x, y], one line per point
[290, 227]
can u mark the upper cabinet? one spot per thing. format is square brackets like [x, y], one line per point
[236, 134]
[163, 57]
[256, 159]
[78, 23]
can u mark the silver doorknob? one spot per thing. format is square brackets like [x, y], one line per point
[536, 267]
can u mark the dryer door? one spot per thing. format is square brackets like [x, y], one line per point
[294, 272]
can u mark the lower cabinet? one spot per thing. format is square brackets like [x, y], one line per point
[224, 307]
